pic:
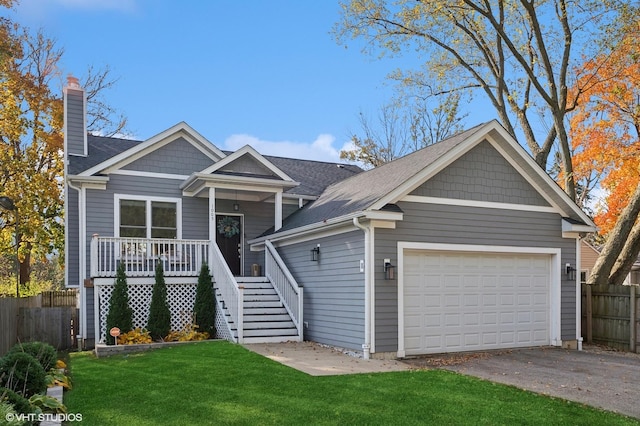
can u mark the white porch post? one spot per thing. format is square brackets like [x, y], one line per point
[278, 215]
[212, 223]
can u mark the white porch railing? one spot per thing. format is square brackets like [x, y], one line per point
[180, 258]
[232, 294]
[288, 289]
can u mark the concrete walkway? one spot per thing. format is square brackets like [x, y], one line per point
[320, 360]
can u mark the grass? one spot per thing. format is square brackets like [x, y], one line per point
[221, 383]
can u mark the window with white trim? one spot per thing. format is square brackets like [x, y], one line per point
[148, 218]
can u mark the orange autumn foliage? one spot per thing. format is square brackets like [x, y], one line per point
[605, 127]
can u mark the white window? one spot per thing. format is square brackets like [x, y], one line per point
[142, 217]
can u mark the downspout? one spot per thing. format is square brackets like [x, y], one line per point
[366, 347]
[579, 292]
[82, 258]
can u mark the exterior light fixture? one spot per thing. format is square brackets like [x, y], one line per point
[570, 271]
[315, 254]
[389, 270]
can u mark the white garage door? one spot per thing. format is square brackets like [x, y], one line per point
[457, 301]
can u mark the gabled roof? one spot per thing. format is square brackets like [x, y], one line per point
[140, 149]
[376, 189]
[108, 153]
[247, 151]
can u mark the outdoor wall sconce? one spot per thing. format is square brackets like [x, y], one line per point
[315, 254]
[389, 270]
[571, 272]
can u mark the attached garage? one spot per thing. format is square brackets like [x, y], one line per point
[477, 298]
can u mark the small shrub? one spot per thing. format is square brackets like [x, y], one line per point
[120, 313]
[188, 334]
[43, 352]
[55, 377]
[46, 404]
[8, 415]
[22, 373]
[204, 307]
[159, 322]
[134, 337]
[19, 402]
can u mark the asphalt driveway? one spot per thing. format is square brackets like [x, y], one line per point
[594, 376]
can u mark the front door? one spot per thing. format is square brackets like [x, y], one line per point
[229, 239]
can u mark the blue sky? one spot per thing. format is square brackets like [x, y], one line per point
[266, 73]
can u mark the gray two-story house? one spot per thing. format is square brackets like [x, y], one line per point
[464, 245]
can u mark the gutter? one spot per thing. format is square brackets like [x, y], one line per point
[327, 224]
[366, 346]
[82, 258]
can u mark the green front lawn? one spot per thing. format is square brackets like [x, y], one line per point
[221, 383]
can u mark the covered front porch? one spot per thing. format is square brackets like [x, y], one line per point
[261, 309]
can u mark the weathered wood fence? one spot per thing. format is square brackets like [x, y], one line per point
[610, 315]
[50, 317]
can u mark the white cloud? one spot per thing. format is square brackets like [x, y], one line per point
[320, 149]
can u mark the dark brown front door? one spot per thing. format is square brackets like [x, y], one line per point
[228, 237]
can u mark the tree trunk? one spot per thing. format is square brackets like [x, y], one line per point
[627, 257]
[616, 241]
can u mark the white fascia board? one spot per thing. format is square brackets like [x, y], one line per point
[433, 168]
[235, 182]
[482, 204]
[317, 227]
[154, 175]
[568, 227]
[247, 149]
[155, 142]
[89, 182]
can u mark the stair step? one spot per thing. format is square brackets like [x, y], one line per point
[252, 279]
[272, 317]
[269, 290]
[261, 310]
[271, 332]
[261, 298]
[268, 325]
[261, 304]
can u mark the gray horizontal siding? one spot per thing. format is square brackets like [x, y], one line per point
[430, 223]
[333, 288]
[91, 314]
[482, 174]
[177, 157]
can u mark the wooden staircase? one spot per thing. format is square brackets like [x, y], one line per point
[265, 318]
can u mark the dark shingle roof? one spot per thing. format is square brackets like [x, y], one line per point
[314, 176]
[100, 148]
[361, 191]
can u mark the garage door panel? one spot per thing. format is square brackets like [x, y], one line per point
[474, 301]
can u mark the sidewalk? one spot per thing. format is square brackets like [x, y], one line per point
[320, 360]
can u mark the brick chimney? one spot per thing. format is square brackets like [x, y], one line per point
[75, 127]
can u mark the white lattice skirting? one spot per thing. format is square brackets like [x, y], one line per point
[181, 298]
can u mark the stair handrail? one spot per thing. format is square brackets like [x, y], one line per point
[288, 289]
[231, 293]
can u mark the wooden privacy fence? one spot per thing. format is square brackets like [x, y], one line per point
[50, 317]
[610, 315]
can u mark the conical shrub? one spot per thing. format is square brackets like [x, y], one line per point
[120, 313]
[204, 308]
[159, 323]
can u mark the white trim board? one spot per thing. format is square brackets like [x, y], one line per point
[554, 279]
[481, 204]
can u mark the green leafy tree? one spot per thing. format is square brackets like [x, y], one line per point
[519, 55]
[204, 308]
[31, 140]
[120, 313]
[159, 323]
